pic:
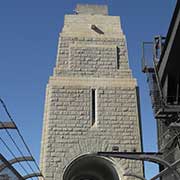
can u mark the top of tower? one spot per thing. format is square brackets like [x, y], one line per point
[91, 9]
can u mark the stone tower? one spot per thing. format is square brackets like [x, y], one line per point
[91, 101]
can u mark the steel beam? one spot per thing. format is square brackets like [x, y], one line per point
[169, 47]
[7, 125]
[166, 171]
[32, 175]
[9, 166]
[151, 157]
[16, 160]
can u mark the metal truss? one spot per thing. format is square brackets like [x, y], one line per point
[7, 125]
[15, 160]
[142, 156]
[8, 163]
[9, 166]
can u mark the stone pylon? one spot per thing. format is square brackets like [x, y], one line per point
[91, 101]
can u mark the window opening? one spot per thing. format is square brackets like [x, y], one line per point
[94, 108]
[117, 60]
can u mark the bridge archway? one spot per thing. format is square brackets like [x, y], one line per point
[91, 167]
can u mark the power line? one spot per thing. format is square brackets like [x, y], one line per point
[14, 142]
[13, 155]
[18, 131]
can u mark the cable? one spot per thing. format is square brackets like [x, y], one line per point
[17, 147]
[13, 155]
[6, 110]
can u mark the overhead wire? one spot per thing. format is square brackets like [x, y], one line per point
[14, 142]
[9, 149]
[19, 133]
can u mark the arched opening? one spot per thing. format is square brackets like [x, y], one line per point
[91, 167]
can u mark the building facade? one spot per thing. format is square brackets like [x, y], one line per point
[91, 101]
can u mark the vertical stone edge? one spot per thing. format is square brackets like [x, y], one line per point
[140, 124]
[44, 131]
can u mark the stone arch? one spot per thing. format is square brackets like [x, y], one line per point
[92, 167]
[85, 146]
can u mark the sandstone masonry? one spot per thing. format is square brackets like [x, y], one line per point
[92, 57]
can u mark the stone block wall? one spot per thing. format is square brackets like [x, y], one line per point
[92, 57]
[89, 61]
[91, 9]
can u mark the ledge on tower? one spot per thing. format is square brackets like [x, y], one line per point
[91, 9]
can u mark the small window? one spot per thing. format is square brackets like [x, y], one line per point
[115, 148]
[117, 60]
[94, 106]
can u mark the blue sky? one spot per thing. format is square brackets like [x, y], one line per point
[28, 45]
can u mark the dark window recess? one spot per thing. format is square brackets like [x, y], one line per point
[93, 106]
[117, 63]
[173, 97]
[115, 148]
